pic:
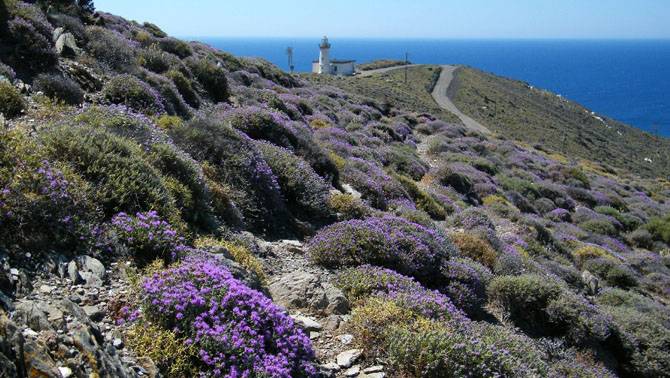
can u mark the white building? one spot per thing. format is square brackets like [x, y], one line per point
[332, 67]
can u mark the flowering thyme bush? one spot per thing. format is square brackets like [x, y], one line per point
[238, 331]
[393, 243]
[145, 236]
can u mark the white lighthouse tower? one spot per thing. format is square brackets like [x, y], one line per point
[324, 56]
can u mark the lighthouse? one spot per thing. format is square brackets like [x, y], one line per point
[324, 56]
[326, 66]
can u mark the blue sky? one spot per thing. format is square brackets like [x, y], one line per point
[402, 19]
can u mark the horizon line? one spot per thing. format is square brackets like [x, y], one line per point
[193, 37]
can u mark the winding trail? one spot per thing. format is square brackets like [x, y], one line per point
[440, 96]
[439, 93]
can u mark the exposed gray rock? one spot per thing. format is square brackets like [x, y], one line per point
[352, 371]
[306, 323]
[345, 339]
[591, 282]
[347, 358]
[373, 369]
[73, 272]
[93, 265]
[303, 290]
[57, 33]
[66, 45]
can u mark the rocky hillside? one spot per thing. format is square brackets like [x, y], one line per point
[168, 209]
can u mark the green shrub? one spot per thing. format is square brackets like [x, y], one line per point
[155, 30]
[578, 174]
[169, 95]
[524, 187]
[110, 48]
[394, 243]
[237, 169]
[660, 228]
[188, 185]
[485, 166]
[476, 249]
[153, 60]
[612, 273]
[11, 101]
[212, 77]
[184, 87]
[118, 170]
[421, 199]
[133, 93]
[59, 88]
[599, 226]
[305, 192]
[349, 207]
[171, 354]
[176, 46]
[524, 297]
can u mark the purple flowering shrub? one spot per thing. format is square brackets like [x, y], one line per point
[30, 30]
[111, 48]
[145, 237]
[278, 129]
[134, 93]
[185, 88]
[349, 207]
[657, 283]
[611, 272]
[238, 331]
[394, 243]
[43, 204]
[120, 172]
[375, 186]
[464, 287]
[234, 160]
[305, 192]
[366, 280]
[170, 97]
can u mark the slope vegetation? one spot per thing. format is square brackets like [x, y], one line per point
[154, 182]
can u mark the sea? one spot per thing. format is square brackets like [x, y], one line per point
[628, 80]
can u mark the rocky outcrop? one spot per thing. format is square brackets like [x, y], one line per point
[303, 290]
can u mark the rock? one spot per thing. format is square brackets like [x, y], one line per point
[306, 323]
[332, 323]
[65, 372]
[73, 272]
[591, 282]
[374, 375]
[149, 366]
[353, 371]
[33, 315]
[337, 301]
[94, 313]
[118, 343]
[38, 361]
[373, 369]
[346, 339]
[314, 335]
[303, 290]
[349, 189]
[293, 246]
[66, 45]
[45, 289]
[57, 33]
[331, 366]
[92, 265]
[347, 358]
[6, 303]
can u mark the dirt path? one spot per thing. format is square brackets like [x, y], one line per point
[385, 70]
[440, 96]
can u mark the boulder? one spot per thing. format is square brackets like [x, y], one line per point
[346, 359]
[591, 282]
[303, 290]
[66, 45]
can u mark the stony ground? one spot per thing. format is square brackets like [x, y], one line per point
[65, 319]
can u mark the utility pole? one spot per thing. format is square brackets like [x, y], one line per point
[289, 52]
[406, 65]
